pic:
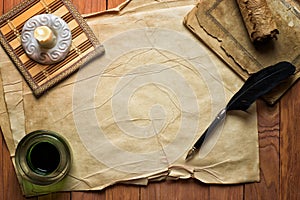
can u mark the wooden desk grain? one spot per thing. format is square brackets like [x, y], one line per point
[279, 142]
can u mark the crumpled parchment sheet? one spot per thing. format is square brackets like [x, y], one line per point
[132, 114]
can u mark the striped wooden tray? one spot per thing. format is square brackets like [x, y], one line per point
[42, 77]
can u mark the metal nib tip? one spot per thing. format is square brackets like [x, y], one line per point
[190, 154]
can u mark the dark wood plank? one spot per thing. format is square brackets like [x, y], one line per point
[90, 6]
[59, 195]
[122, 192]
[290, 144]
[179, 189]
[268, 128]
[114, 3]
[8, 5]
[10, 185]
[1, 7]
[99, 195]
[224, 192]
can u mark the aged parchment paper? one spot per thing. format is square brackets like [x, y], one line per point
[132, 114]
[219, 25]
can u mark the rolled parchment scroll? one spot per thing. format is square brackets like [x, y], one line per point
[258, 20]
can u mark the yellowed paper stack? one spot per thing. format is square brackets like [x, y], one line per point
[219, 24]
[132, 114]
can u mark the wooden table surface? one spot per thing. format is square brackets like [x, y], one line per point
[279, 141]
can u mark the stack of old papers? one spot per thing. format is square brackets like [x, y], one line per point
[132, 114]
[219, 24]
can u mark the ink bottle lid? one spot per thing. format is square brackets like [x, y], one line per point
[43, 157]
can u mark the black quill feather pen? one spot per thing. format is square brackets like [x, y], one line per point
[255, 86]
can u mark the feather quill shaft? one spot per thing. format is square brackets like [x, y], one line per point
[255, 86]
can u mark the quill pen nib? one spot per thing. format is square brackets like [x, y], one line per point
[221, 115]
[191, 153]
[257, 85]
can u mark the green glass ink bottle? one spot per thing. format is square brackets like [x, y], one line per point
[43, 157]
